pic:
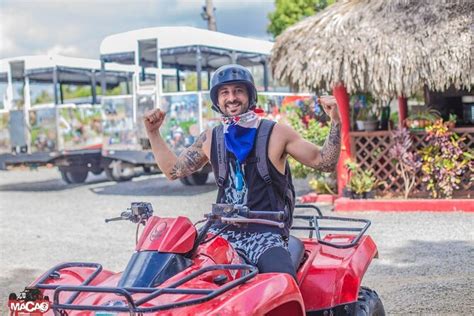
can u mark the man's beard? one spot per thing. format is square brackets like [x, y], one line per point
[234, 104]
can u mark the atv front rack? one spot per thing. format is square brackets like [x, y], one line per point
[314, 226]
[132, 305]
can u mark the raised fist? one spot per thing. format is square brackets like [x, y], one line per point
[329, 104]
[153, 120]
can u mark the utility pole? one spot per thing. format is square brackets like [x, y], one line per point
[208, 15]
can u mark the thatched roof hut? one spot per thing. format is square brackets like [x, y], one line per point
[387, 47]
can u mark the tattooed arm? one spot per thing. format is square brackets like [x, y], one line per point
[325, 158]
[189, 160]
[329, 154]
[321, 158]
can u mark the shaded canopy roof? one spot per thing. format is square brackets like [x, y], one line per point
[388, 48]
[71, 70]
[178, 46]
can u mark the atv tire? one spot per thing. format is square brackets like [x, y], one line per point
[369, 303]
[185, 180]
[199, 178]
[74, 176]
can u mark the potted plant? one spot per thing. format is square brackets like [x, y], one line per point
[367, 119]
[362, 183]
[451, 123]
[422, 118]
[324, 183]
[324, 187]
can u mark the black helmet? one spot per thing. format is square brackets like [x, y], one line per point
[232, 73]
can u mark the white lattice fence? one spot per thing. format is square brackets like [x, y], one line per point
[370, 150]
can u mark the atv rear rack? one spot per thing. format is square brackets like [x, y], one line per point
[315, 227]
[127, 292]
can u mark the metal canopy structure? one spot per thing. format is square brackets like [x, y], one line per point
[58, 70]
[183, 48]
[180, 47]
[69, 70]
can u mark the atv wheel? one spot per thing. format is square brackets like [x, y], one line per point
[199, 178]
[195, 179]
[369, 303]
[185, 180]
[74, 176]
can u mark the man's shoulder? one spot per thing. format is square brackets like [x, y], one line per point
[280, 129]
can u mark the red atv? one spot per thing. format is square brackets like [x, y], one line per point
[180, 270]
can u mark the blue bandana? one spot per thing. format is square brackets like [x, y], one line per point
[239, 134]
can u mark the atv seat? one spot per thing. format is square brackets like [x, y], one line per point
[296, 249]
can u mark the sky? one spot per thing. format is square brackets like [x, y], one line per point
[76, 28]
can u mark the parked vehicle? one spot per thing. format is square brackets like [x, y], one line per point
[178, 269]
[67, 135]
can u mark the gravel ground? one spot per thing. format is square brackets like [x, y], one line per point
[425, 264]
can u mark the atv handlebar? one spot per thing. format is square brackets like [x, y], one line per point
[138, 212]
[243, 220]
[231, 214]
[123, 216]
[239, 214]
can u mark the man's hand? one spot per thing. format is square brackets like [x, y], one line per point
[153, 120]
[329, 104]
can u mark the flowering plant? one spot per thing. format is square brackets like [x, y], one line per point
[444, 161]
[407, 161]
[361, 181]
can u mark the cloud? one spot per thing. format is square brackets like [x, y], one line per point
[77, 27]
[7, 41]
[69, 50]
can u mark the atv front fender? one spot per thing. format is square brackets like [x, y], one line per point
[271, 294]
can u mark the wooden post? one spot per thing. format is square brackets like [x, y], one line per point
[342, 98]
[402, 110]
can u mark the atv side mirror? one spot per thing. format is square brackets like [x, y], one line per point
[142, 210]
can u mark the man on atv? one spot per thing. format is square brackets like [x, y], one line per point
[249, 159]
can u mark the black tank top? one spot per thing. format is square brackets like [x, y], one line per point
[255, 194]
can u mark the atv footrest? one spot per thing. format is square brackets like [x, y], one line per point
[133, 306]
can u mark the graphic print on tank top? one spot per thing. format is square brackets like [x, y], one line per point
[231, 194]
